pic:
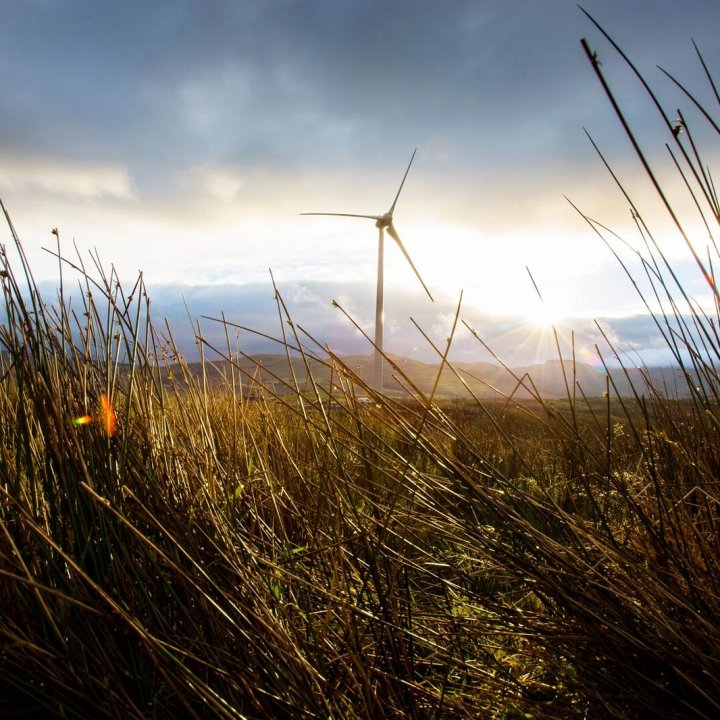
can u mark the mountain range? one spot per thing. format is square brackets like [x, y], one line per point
[552, 379]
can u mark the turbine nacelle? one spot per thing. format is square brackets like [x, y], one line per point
[384, 220]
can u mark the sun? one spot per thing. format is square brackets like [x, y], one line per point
[544, 315]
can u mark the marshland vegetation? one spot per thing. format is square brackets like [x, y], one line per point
[299, 552]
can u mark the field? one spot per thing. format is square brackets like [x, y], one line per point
[173, 544]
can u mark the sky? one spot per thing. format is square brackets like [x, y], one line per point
[184, 138]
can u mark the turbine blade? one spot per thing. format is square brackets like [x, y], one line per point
[392, 232]
[392, 207]
[370, 217]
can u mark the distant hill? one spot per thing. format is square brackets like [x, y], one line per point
[485, 380]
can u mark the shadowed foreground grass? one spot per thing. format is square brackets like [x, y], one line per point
[301, 555]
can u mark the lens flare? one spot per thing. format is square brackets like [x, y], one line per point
[106, 418]
[107, 415]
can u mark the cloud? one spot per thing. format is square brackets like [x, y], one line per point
[173, 84]
[221, 183]
[252, 312]
[191, 133]
[58, 177]
[254, 320]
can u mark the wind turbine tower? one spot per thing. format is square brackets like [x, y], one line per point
[382, 223]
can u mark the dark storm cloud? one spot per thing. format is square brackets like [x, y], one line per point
[165, 84]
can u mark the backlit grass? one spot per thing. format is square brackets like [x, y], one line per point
[279, 548]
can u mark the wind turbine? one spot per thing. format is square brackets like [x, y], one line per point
[383, 222]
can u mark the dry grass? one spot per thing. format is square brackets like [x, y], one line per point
[300, 554]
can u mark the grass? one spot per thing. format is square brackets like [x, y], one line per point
[292, 552]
